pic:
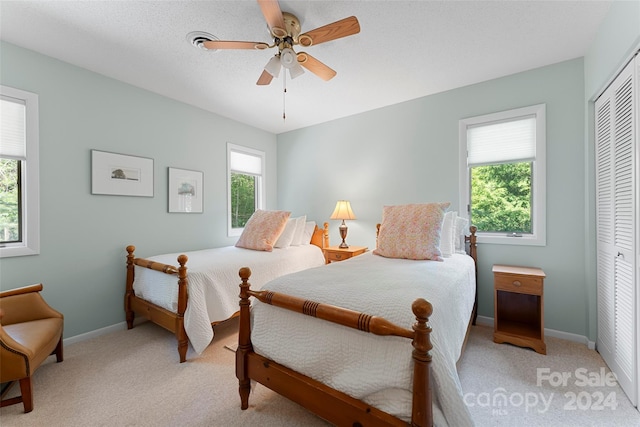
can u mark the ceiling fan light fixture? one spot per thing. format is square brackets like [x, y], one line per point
[296, 71]
[273, 66]
[288, 58]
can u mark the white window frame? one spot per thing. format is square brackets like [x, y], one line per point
[539, 208]
[260, 187]
[30, 209]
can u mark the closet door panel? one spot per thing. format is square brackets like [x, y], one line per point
[617, 240]
[604, 235]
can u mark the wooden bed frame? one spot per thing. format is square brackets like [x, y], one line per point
[174, 322]
[324, 401]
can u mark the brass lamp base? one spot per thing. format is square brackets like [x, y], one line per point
[343, 234]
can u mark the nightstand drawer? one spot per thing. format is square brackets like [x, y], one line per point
[338, 256]
[335, 253]
[521, 284]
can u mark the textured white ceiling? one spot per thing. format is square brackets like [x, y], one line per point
[405, 50]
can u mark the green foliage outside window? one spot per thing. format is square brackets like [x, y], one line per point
[501, 197]
[9, 201]
[243, 199]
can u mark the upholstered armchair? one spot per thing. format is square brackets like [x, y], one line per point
[30, 331]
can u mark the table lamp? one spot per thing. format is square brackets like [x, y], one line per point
[343, 211]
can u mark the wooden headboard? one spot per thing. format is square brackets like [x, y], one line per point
[320, 236]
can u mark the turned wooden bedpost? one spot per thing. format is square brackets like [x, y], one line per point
[473, 252]
[244, 339]
[422, 413]
[325, 235]
[473, 243]
[129, 289]
[181, 334]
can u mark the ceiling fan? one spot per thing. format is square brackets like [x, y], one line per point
[285, 30]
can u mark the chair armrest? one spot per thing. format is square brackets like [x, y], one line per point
[11, 346]
[22, 290]
[24, 305]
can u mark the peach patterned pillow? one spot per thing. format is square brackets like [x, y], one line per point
[411, 231]
[263, 229]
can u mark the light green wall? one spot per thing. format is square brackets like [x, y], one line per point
[83, 236]
[408, 153]
[618, 37]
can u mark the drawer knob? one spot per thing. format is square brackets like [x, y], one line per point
[517, 283]
[338, 256]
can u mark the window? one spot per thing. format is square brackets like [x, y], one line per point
[503, 176]
[246, 185]
[19, 186]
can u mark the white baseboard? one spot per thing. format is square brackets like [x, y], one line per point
[488, 321]
[102, 331]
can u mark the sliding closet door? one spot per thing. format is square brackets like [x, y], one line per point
[617, 217]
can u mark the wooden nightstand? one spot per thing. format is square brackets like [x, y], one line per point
[519, 306]
[335, 253]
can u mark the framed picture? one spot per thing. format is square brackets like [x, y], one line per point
[121, 175]
[185, 190]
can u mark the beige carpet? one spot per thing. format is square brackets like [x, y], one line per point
[132, 378]
[500, 382]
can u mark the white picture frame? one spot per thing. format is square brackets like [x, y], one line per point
[121, 175]
[186, 193]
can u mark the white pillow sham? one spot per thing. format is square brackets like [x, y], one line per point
[298, 236]
[285, 239]
[447, 236]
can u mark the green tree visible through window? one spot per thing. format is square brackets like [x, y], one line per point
[9, 201]
[243, 198]
[501, 197]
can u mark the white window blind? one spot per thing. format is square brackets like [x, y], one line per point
[502, 142]
[245, 163]
[13, 141]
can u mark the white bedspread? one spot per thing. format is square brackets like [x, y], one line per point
[375, 369]
[214, 282]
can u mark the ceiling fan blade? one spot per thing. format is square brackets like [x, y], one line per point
[315, 66]
[343, 28]
[264, 79]
[273, 16]
[227, 44]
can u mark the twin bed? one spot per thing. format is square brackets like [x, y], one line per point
[306, 338]
[190, 304]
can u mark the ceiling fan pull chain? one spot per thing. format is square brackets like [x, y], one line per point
[284, 95]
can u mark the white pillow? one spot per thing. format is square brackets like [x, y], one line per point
[298, 236]
[309, 228]
[462, 226]
[285, 239]
[447, 236]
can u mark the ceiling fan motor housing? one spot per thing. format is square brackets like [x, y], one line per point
[291, 26]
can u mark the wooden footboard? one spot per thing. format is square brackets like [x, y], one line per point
[173, 322]
[332, 405]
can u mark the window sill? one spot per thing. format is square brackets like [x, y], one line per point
[508, 240]
[14, 251]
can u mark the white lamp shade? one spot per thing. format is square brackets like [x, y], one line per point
[343, 211]
[296, 71]
[288, 58]
[273, 66]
